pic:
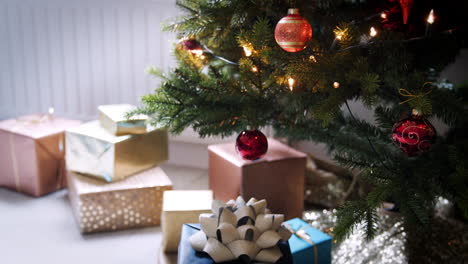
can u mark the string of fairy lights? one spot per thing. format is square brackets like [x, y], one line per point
[340, 34]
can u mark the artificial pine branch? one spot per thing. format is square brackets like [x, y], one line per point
[219, 98]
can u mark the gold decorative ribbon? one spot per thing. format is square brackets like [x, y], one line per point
[15, 162]
[61, 162]
[301, 233]
[406, 93]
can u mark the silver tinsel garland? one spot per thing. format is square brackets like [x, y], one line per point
[388, 246]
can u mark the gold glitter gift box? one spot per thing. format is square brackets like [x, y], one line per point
[133, 202]
[179, 208]
[112, 118]
[92, 150]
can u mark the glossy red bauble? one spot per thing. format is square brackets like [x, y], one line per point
[414, 135]
[190, 44]
[251, 144]
[293, 31]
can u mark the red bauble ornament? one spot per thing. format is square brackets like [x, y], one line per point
[251, 144]
[405, 9]
[293, 31]
[414, 135]
[190, 44]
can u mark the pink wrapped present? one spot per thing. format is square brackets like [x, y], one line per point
[32, 153]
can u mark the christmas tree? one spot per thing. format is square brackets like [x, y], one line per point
[232, 74]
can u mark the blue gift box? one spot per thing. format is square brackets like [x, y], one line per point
[303, 252]
[187, 255]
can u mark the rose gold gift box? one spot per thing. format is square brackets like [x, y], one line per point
[130, 203]
[278, 177]
[32, 153]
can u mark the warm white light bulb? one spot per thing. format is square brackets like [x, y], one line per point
[312, 58]
[336, 85]
[197, 52]
[431, 17]
[291, 82]
[373, 32]
[383, 15]
[339, 36]
[247, 51]
[254, 69]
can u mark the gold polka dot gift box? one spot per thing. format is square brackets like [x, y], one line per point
[130, 203]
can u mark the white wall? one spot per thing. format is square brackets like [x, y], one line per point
[75, 55]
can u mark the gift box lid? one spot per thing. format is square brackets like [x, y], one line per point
[316, 236]
[187, 200]
[117, 112]
[149, 178]
[276, 151]
[95, 130]
[37, 126]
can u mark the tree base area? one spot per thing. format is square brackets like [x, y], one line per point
[444, 241]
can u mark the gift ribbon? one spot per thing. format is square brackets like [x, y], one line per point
[15, 163]
[406, 93]
[301, 233]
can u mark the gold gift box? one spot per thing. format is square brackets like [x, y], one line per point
[94, 151]
[130, 203]
[181, 207]
[112, 118]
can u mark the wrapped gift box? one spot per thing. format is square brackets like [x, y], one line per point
[32, 153]
[93, 150]
[112, 118]
[187, 255]
[133, 202]
[309, 245]
[180, 207]
[278, 177]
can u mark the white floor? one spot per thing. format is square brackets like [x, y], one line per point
[43, 230]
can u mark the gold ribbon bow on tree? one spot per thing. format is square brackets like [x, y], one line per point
[424, 92]
[302, 234]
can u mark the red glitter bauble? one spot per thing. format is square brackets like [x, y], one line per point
[293, 31]
[414, 135]
[251, 144]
